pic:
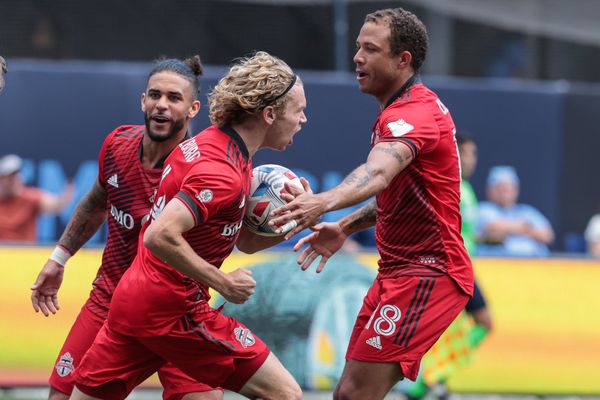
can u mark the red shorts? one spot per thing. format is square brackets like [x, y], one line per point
[401, 318]
[217, 350]
[80, 338]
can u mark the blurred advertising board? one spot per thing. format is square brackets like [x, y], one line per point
[546, 337]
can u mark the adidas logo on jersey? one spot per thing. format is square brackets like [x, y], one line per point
[375, 341]
[113, 181]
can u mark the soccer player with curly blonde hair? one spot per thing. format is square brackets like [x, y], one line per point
[160, 310]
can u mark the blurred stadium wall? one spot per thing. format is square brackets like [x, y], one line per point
[57, 113]
[539, 39]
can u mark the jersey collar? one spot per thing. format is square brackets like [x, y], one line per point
[160, 163]
[413, 80]
[228, 129]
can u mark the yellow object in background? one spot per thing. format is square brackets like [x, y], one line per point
[546, 338]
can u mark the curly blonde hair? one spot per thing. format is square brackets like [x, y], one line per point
[251, 84]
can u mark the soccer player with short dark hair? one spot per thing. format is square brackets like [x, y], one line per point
[425, 274]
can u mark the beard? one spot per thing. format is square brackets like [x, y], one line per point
[176, 126]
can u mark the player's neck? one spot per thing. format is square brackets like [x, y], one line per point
[153, 152]
[252, 134]
[394, 90]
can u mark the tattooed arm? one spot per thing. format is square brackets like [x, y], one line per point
[85, 221]
[327, 238]
[384, 162]
[360, 219]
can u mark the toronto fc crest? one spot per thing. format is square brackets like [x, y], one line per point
[64, 366]
[244, 336]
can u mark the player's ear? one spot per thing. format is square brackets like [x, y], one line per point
[404, 59]
[194, 109]
[142, 101]
[269, 114]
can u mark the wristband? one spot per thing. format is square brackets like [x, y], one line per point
[60, 254]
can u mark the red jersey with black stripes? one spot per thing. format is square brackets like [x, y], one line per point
[130, 189]
[418, 217]
[210, 174]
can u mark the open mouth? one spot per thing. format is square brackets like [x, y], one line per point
[161, 119]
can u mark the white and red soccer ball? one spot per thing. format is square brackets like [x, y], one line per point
[266, 187]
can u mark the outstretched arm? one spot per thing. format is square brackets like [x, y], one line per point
[384, 162]
[85, 221]
[328, 238]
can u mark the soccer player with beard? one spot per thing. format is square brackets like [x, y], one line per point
[425, 275]
[130, 168]
[160, 308]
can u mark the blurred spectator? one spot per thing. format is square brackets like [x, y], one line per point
[592, 236]
[20, 205]
[3, 70]
[45, 38]
[467, 149]
[506, 228]
[510, 58]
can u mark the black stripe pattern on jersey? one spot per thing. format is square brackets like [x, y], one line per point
[236, 138]
[129, 187]
[415, 310]
[192, 204]
[408, 232]
[411, 144]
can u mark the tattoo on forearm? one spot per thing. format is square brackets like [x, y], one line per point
[359, 180]
[366, 216]
[87, 218]
[391, 150]
[350, 179]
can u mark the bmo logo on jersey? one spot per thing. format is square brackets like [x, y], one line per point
[121, 217]
[231, 229]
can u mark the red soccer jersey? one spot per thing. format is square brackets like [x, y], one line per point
[418, 217]
[130, 189]
[210, 174]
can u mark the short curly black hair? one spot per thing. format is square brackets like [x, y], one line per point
[190, 68]
[407, 33]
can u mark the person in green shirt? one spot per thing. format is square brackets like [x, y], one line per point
[468, 200]
[476, 307]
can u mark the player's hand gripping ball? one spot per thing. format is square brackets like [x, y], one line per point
[265, 195]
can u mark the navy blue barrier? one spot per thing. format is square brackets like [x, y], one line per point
[56, 114]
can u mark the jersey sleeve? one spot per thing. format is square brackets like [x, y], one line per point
[102, 156]
[411, 124]
[208, 187]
